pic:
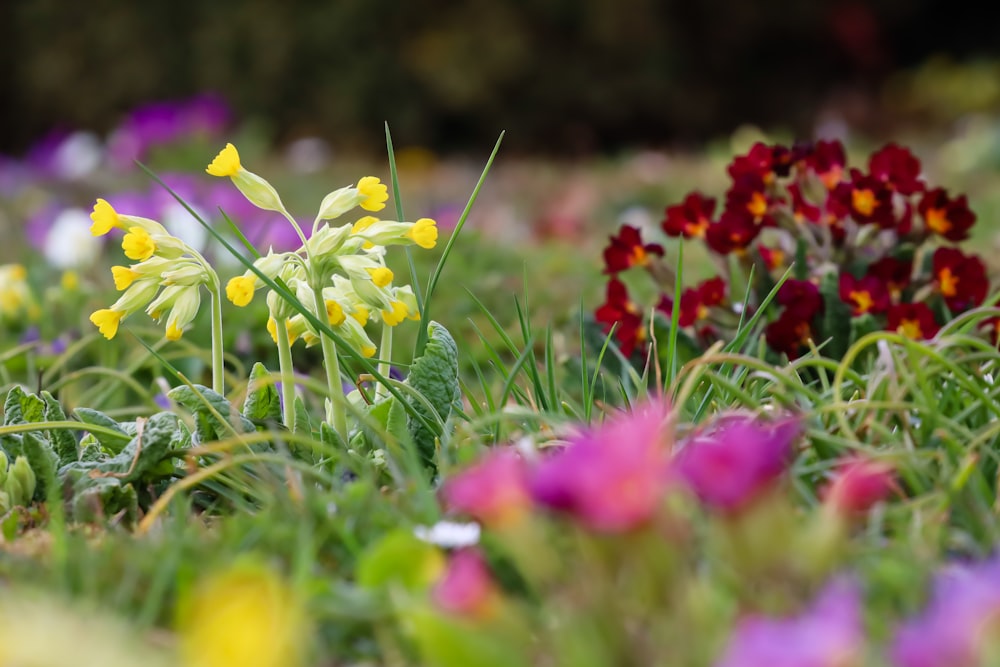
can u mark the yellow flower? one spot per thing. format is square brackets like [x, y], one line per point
[226, 163]
[360, 315]
[107, 321]
[124, 276]
[396, 315]
[363, 223]
[104, 218]
[381, 276]
[424, 233]
[272, 328]
[368, 351]
[240, 290]
[244, 617]
[138, 244]
[173, 332]
[70, 281]
[374, 192]
[334, 313]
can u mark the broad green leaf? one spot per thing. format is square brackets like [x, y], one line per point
[435, 376]
[113, 444]
[263, 402]
[63, 441]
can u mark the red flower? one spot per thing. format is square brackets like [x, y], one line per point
[802, 209]
[897, 168]
[789, 334]
[773, 257]
[960, 278]
[690, 218]
[800, 298]
[763, 161]
[617, 308]
[627, 250]
[951, 218]
[913, 320]
[868, 295]
[733, 232]
[868, 199]
[893, 273]
[494, 490]
[858, 484]
[748, 196]
[827, 161]
[712, 291]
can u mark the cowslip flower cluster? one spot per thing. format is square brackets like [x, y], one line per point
[165, 280]
[346, 263]
[872, 249]
[16, 300]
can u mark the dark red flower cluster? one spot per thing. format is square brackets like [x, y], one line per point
[874, 243]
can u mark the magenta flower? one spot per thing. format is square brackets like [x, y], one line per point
[727, 466]
[612, 477]
[858, 484]
[960, 618]
[830, 633]
[466, 588]
[494, 491]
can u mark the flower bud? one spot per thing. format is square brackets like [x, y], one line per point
[338, 203]
[184, 311]
[20, 483]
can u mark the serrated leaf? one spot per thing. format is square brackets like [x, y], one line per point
[12, 407]
[43, 461]
[435, 376]
[32, 409]
[263, 402]
[112, 443]
[209, 428]
[63, 441]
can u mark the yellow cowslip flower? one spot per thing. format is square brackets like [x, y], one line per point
[424, 233]
[107, 321]
[381, 276]
[360, 315]
[104, 218]
[70, 281]
[246, 616]
[363, 223]
[184, 309]
[138, 244]
[396, 315]
[226, 163]
[334, 313]
[374, 192]
[272, 328]
[240, 290]
[124, 276]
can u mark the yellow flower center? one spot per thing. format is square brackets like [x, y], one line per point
[910, 329]
[424, 233]
[138, 244]
[948, 282]
[240, 290]
[862, 301]
[381, 276]
[104, 218]
[334, 313]
[226, 163]
[938, 221]
[863, 201]
[757, 205]
[374, 192]
[396, 315]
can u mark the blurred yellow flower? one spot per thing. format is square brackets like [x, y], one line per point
[226, 163]
[242, 617]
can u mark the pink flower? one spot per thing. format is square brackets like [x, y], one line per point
[612, 477]
[727, 466]
[829, 634]
[858, 484]
[494, 491]
[466, 588]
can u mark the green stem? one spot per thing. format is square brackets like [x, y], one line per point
[287, 372]
[335, 415]
[218, 362]
[385, 354]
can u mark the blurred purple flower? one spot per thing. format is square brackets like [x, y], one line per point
[727, 466]
[830, 633]
[494, 491]
[466, 588]
[960, 617]
[611, 477]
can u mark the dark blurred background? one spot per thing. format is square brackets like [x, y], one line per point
[561, 76]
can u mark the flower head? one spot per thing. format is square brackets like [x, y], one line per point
[138, 244]
[618, 308]
[960, 278]
[690, 218]
[424, 233]
[627, 250]
[466, 588]
[107, 321]
[104, 218]
[898, 168]
[494, 491]
[913, 320]
[947, 217]
[374, 192]
[865, 295]
[858, 484]
[226, 163]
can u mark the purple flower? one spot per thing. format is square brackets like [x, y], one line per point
[494, 491]
[727, 466]
[829, 633]
[961, 615]
[466, 589]
[612, 477]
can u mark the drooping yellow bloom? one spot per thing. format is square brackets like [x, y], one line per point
[107, 321]
[124, 276]
[360, 314]
[104, 218]
[424, 233]
[381, 276]
[368, 351]
[240, 290]
[334, 313]
[374, 192]
[363, 223]
[226, 163]
[244, 617]
[138, 244]
[396, 315]
[174, 332]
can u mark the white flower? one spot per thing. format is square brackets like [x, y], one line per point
[449, 534]
[69, 243]
[183, 225]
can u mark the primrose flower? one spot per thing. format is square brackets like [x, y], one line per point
[913, 320]
[374, 192]
[960, 278]
[619, 309]
[865, 295]
[423, 232]
[258, 191]
[728, 466]
[493, 491]
[830, 633]
[107, 320]
[627, 250]
[246, 616]
[138, 244]
[689, 219]
[611, 478]
[958, 627]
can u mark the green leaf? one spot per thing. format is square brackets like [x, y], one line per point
[113, 444]
[12, 407]
[435, 376]
[103, 498]
[263, 403]
[43, 461]
[202, 401]
[835, 324]
[399, 558]
[63, 441]
[32, 409]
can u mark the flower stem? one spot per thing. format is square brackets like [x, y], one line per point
[335, 415]
[287, 372]
[218, 362]
[385, 354]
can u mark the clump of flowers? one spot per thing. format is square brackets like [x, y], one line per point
[869, 249]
